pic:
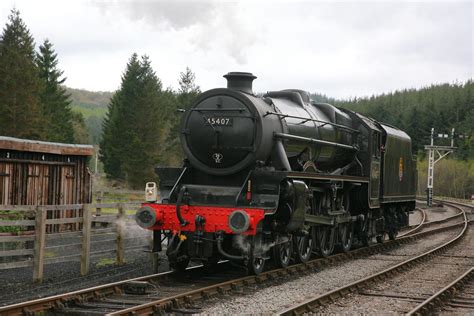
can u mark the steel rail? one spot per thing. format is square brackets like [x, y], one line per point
[437, 299]
[163, 305]
[417, 227]
[309, 305]
[54, 301]
[425, 223]
[84, 295]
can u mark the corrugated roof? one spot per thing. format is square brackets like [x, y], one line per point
[19, 144]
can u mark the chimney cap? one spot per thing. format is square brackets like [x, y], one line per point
[241, 81]
[248, 75]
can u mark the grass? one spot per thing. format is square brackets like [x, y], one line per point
[11, 216]
[50, 254]
[103, 262]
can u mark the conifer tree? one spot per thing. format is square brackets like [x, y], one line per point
[54, 100]
[78, 125]
[133, 128]
[187, 93]
[114, 125]
[19, 83]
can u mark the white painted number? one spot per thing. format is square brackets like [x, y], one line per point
[219, 121]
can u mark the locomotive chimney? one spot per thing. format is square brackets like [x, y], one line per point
[240, 81]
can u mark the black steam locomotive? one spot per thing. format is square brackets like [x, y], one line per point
[278, 177]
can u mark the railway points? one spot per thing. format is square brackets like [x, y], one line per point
[117, 298]
[383, 291]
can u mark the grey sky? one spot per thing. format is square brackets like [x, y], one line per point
[339, 48]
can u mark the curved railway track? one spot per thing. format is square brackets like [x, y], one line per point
[314, 304]
[412, 230]
[166, 292]
[425, 223]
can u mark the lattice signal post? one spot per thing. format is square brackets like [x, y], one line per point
[441, 151]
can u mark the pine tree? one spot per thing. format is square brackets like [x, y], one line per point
[54, 100]
[113, 130]
[78, 125]
[187, 93]
[187, 84]
[131, 141]
[19, 83]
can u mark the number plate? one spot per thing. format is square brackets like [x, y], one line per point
[220, 121]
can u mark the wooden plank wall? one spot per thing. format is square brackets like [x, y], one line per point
[28, 178]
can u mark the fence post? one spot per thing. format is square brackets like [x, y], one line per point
[40, 232]
[86, 238]
[121, 222]
[98, 210]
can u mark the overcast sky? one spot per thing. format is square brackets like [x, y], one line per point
[339, 48]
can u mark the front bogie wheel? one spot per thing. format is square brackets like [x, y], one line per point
[282, 253]
[180, 265]
[255, 265]
[211, 264]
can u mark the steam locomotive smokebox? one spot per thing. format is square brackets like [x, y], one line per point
[223, 133]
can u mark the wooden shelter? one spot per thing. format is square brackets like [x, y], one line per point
[43, 173]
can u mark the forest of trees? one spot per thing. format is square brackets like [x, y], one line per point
[33, 102]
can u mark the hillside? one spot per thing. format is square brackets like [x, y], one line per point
[93, 106]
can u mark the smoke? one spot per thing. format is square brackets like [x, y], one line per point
[240, 242]
[280, 240]
[209, 26]
[132, 230]
[169, 14]
[268, 246]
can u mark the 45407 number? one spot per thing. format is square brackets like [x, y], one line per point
[219, 121]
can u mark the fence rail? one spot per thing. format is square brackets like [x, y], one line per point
[88, 222]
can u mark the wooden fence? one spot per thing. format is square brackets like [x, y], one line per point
[91, 220]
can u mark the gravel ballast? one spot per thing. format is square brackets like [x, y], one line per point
[418, 283]
[277, 297]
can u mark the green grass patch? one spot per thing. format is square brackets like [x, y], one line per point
[11, 216]
[50, 254]
[103, 262]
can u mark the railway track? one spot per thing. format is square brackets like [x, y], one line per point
[359, 289]
[456, 298]
[425, 223]
[412, 230]
[166, 292]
